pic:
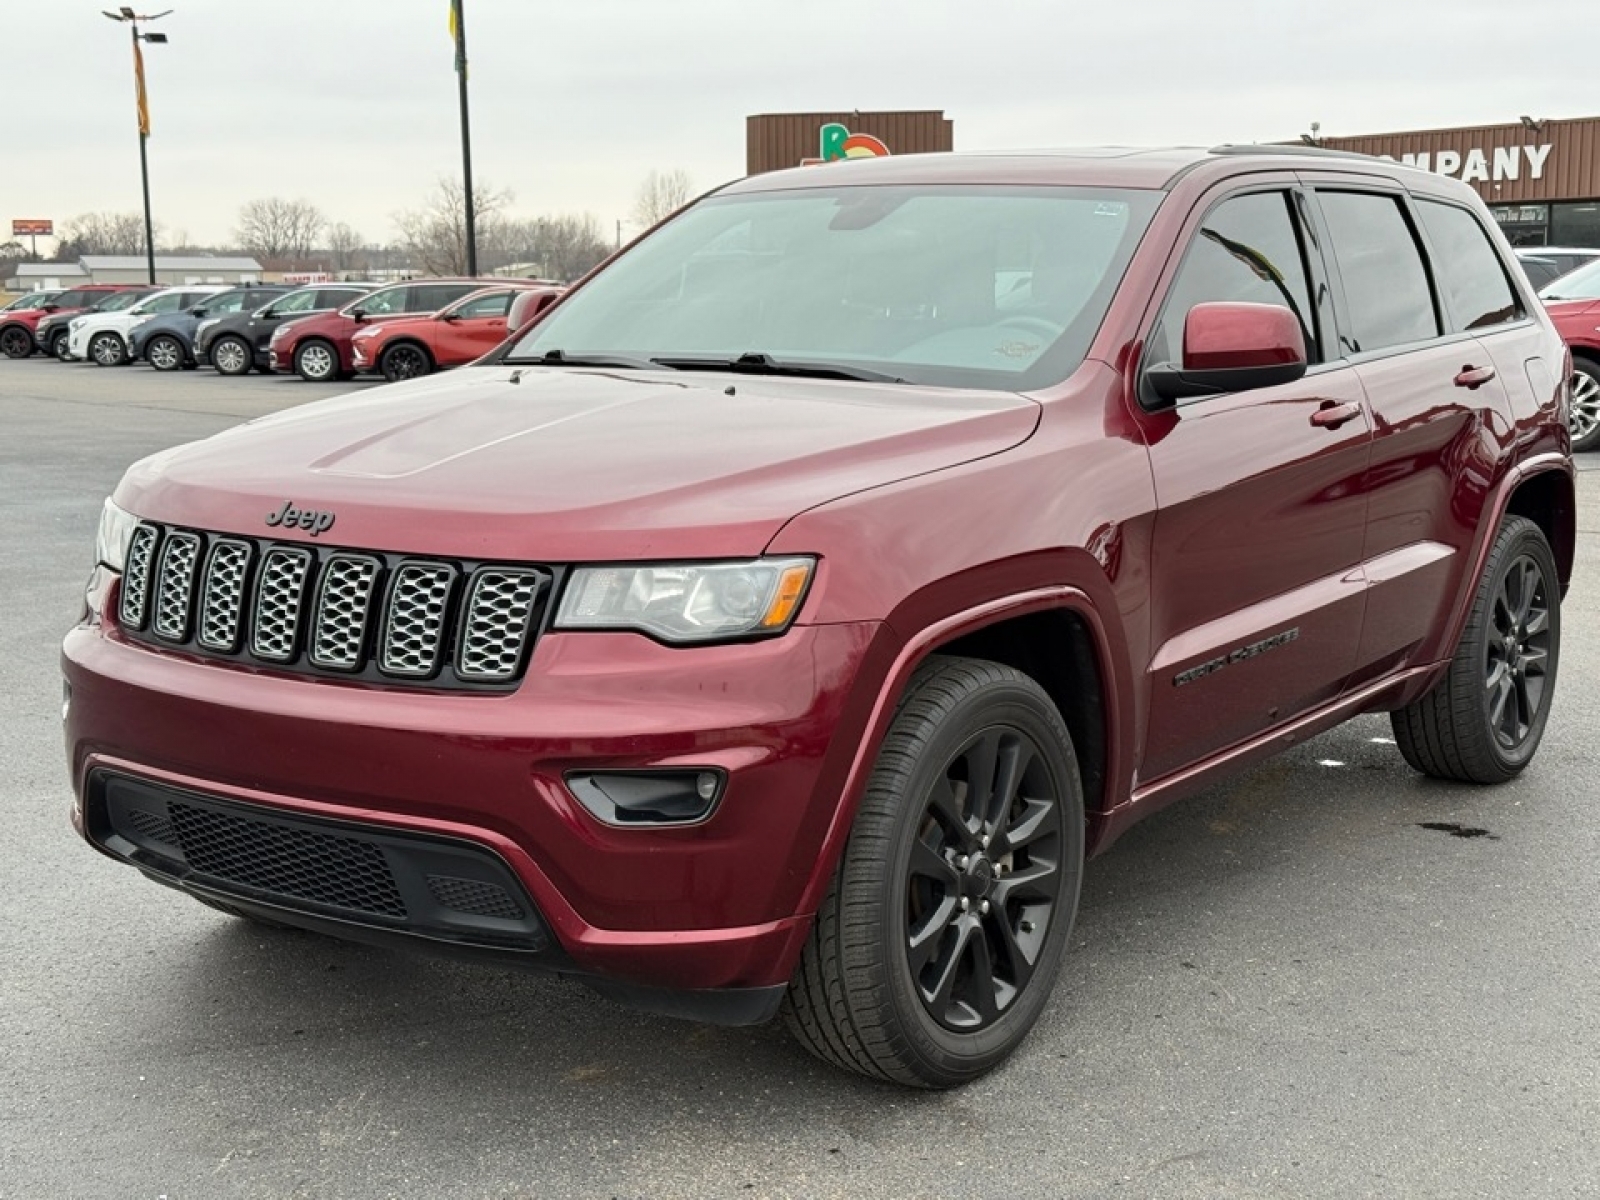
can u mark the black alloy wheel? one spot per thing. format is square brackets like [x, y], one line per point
[316, 361]
[107, 350]
[16, 341]
[164, 353]
[937, 945]
[1483, 721]
[230, 355]
[405, 360]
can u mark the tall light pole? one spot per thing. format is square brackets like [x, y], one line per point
[458, 33]
[127, 15]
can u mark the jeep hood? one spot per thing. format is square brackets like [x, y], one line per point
[560, 465]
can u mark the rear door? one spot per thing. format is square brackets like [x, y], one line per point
[1408, 321]
[1256, 583]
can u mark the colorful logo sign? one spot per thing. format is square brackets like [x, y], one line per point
[25, 228]
[838, 144]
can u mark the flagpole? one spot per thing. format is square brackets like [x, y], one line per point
[144, 162]
[458, 8]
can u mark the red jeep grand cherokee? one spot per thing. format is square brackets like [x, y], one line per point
[779, 622]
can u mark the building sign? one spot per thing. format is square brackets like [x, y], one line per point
[1502, 164]
[837, 143]
[305, 277]
[32, 228]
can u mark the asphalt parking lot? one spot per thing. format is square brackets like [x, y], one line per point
[1287, 987]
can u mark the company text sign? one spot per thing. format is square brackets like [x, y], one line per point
[1502, 164]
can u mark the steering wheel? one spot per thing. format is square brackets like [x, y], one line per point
[1038, 325]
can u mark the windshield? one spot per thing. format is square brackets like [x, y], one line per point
[1582, 284]
[31, 300]
[953, 286]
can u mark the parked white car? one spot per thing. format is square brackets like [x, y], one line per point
[102, 337]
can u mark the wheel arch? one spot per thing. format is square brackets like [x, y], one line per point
[1548, 498]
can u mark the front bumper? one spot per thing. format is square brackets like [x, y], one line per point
[701, 920]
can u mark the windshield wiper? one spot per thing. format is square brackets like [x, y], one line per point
[560, 358]
[757, 363]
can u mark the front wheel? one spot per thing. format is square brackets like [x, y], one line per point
[107, 350]
[940, 938]
[16, 342]
[231, 355]
[404, 361]
[58, 345]
[316, 361]
[165, 353]
[1583, 414]
[1482, 722]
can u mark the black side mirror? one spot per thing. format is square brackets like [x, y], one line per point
[358, 315]
[50, 308]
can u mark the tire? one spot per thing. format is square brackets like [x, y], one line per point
[917, 969]
[231, 355]
[107, 350]
[58, 345]
[316, 361]
[16, 342]
[1482, 722]
[1583, 414]
[165, 353]
[223, 906]
[405, 360]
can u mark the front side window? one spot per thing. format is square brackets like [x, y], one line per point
[1467, 267]
[1248, 250]
[495, 305]
[1386, 285]
[953, 285]
[377, 304]
[295, 302]
[151, 305]
[117, 301]
[228, 303]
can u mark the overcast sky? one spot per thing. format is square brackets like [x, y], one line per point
[351, 104]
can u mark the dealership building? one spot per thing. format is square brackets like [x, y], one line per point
[1540, 178]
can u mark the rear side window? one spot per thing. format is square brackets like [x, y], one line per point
[1249, 250]
[1386, 285]
[434, 296]
[337, 297]
[1467, 267]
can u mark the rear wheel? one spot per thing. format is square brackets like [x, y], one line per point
[231, 355]
[940, 938]
[164, 353]
[107, 350]
[1482, 722]
[1583, 414]
[16, 342]
[405, 360]
[316, 361]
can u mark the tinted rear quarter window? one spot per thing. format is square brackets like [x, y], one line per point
[1387, 296]
[1468, 270]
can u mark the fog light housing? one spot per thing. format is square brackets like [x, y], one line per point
[630, 798]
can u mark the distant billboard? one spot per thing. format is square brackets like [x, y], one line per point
[33, 228]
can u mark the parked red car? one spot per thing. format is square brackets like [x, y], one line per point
[319, 348]
[17, 326]
[1573, 302]
[471, 327]
[778, 623]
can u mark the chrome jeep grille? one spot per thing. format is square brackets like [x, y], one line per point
[322, 611]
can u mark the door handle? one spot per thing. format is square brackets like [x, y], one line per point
[1472, 377]
[1332, 414]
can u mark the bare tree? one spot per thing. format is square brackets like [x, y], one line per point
[565, 247]
[661, 194]
[346, 249]
[278, 228]
[102, 233]
[436, 233]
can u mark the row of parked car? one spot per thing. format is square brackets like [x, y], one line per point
[321, 332]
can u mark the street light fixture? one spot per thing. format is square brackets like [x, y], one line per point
[132, 20]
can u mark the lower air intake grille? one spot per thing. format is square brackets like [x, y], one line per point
[473, 896]
[324, 868]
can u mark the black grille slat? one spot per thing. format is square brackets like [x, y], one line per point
[324, 868]
[382, 618]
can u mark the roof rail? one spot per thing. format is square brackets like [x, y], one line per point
[1292, 149]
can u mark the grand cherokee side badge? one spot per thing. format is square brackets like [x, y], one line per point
[291, 517]
[1236, 656]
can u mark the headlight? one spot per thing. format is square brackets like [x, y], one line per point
[116, 532]
[688, 602]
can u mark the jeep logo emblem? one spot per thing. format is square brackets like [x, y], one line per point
[291, 517]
